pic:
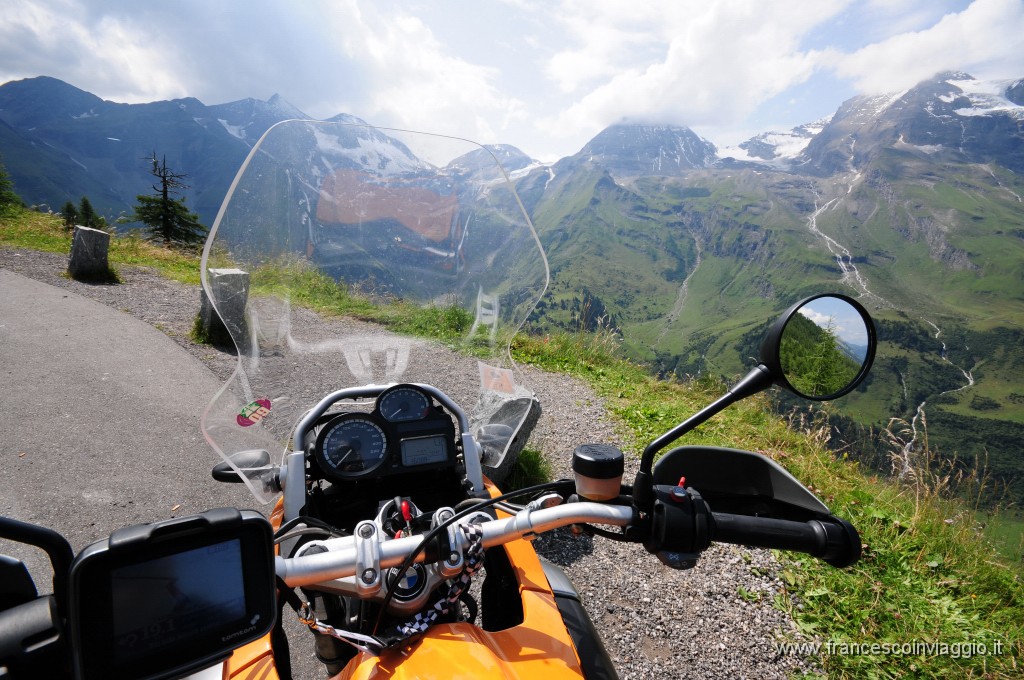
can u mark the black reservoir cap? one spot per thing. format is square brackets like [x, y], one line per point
[598, 461]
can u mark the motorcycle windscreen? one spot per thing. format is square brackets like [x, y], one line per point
[330, 239]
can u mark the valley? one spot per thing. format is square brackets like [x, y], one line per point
[912, 244]
[910, 202]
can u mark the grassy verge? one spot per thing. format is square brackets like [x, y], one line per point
[308, 288]
[929, 573]
[531, 468]
[314, 290]
[38, 231]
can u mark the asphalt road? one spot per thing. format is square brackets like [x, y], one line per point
[99, 420]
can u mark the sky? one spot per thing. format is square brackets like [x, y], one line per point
[544, 76]
[844, 319]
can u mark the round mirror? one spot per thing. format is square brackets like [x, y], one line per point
[822, 347]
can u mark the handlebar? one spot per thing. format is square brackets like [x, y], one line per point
[833, 540]
[341, 559]
[829, 538]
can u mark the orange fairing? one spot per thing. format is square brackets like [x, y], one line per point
[533, 649]
[347, 197]
[254, 661]
[539, 647]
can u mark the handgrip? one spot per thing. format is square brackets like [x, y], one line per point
[831, 539]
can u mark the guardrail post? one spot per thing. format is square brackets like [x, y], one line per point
[88, 259]
[230, 289]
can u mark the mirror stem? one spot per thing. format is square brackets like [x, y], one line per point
[758, 380]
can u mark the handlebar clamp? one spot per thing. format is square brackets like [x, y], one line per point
[368, 573]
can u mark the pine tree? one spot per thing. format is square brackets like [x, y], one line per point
[87, 216]
[8, 199]
[70, 214]
[165, 214]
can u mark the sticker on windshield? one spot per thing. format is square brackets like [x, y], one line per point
[496, 379]
[254, 412]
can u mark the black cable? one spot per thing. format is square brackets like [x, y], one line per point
[433, 533]
[591, 530]
[308, 531]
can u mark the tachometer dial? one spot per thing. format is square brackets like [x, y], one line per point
[403, 403]
[351, 446]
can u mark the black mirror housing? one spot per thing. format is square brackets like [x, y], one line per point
[821, 348]
[799, 354]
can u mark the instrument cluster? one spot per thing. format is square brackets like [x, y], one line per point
[406, 432]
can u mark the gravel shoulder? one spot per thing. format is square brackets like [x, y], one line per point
[656, 622]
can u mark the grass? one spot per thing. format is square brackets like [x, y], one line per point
[310, 288]
[531, 468]
[930, 573]
[1005, 529]
[39, 231]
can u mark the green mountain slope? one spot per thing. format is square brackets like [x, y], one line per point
[612, 261]
[688, 268]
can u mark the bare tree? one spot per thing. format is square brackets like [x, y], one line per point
[164, 212]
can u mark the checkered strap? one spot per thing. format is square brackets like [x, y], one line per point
[456, 587]
[366, 643]
[419, 623]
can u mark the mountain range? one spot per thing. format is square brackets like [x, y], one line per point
[910, 201]
[60, 143]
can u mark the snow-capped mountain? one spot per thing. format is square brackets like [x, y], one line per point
[778, 148]
[480, 163]
[248, 119]
[633, 150]
[60, 143]
[360, 148]
[952, 116]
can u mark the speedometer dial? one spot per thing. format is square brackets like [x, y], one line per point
[351, 446]
[403, 403]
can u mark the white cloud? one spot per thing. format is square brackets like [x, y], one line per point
[818, 318]
[844, 321]
[416, 81]
[379, 62]
[690, 63]
[545, 76]
[109, 53]
[984, 39]
[886, 18]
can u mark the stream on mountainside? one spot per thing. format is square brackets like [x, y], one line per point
[852, 277]
[906, 453]
[677, 308]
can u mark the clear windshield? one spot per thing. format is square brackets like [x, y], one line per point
[331, 242]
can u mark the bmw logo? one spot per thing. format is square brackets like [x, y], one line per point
[411, 584]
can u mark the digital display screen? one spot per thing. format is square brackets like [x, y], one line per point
[165, 601]
[424, 450]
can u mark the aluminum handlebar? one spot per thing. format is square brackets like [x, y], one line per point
[341, 559]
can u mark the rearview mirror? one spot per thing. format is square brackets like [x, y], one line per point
[821, 348]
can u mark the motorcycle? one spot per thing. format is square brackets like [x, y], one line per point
[383, 483]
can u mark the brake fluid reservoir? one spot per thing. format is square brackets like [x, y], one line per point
[598, 471]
